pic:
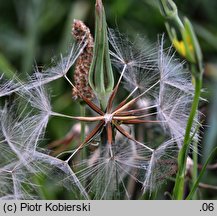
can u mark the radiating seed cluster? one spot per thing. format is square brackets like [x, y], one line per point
[154, 79]
[82, 33]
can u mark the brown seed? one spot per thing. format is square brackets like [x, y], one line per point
[82, 33]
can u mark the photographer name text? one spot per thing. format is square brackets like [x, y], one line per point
[48, 207]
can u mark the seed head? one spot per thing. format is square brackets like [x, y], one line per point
[82, 33]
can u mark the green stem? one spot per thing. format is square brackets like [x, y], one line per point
[195, 165]
[84, 153]
[193, 189]
[82, 112]
[179, 184]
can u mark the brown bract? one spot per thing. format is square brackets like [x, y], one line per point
[112, 118]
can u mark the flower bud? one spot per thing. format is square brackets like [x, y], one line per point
[181, 34]
[101, 77]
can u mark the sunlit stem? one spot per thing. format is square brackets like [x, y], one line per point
[131, 93]
[84, 153]
[114, 92]
[88, 138]
[125, 100]
[135, 99]
[69, 81]
[134, 90]
[70, 157]
[122, 73]
[80, 118]
[133, 117]
[125, 133]
[145, 146]
[82, 113]
[137, 110]
[110, 150]
[139, 121]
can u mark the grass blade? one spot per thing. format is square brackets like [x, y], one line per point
[213, 153]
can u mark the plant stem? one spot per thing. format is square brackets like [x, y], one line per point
[196, 184]
[179, 184]
[195, 165]
[82, 136]
[82, 112]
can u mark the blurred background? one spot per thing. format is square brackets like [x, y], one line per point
[32, 32]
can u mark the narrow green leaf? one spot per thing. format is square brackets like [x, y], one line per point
[213, 153]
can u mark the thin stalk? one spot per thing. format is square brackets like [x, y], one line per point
[196, 184]
[85, 152]
[195, 143]
[134, 100]
[178, 190]
[82, 113]
[195, 165]
[79, 118]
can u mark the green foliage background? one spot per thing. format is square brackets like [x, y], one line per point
[33, 31]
